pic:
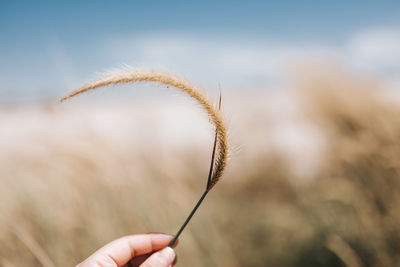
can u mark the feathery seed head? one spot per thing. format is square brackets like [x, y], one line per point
[126, 76]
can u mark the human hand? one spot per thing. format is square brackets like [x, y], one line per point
[146, 250]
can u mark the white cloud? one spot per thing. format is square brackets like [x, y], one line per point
[236, 63]
[376, 52]
[244, 63]
[378, 48]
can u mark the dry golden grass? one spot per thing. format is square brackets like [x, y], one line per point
[220, 147]
[64, 198]
[122, 76]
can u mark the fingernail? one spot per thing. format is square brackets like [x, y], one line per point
[168, 254]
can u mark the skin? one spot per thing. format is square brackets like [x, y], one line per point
[145, 250]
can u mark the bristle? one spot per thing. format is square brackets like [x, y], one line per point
[125, 76]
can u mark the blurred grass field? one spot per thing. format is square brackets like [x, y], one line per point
[313, 178]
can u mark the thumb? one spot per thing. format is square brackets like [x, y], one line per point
[162, 258]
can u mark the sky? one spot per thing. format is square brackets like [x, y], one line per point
[50, 47]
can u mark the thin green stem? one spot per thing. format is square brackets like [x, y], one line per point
[210, 173]
[188, 219]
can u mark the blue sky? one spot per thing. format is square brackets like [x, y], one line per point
[48, 47]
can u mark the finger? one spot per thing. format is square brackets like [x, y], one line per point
[136, 261]
[120, 251]
[173, 246]
[162, 258]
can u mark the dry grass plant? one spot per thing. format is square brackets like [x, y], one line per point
[220, 148]
[60, 190]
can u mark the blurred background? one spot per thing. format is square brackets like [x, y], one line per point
[310, 90]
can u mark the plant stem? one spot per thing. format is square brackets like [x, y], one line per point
[209, 180]
[188, 218]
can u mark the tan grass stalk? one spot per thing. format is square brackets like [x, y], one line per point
[33, 246]
[220, 149]
[123, 77]
[343, 250]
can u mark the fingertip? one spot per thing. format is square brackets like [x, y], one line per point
[168, 253]
[162, 258]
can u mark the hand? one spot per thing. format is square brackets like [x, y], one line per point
[147, 250]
